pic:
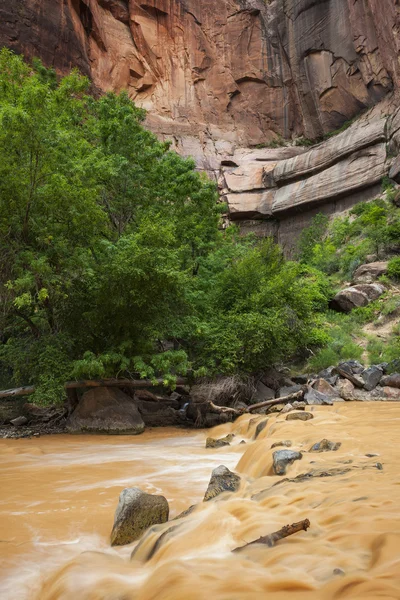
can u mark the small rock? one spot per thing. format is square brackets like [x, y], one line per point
[313, 397]
[222, 480]
[370, 455]
[136, 511]
[260, 427]
[242, 442]
[299, 405]
[338, 572]
[214, 443]
[277, 408]
[379, 466]
[287, 408]
[325, 446]
[18, 421]
[299, 416]
[286, 443]
[283, 458]
[371, 377]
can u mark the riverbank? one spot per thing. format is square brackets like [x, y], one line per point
[59, 494]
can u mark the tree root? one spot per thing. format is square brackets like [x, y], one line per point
[271, 539]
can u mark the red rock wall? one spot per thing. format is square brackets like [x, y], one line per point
[217, 74]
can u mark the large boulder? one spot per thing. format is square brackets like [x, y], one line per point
[371, 377]
[222, 480]
[313, 397]
[391, 380]
[356, 296]
[370, 272]
[136, 511]
[106, 410]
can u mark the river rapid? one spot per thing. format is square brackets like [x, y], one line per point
[59, 493]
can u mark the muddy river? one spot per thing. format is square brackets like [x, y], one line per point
[59, 493]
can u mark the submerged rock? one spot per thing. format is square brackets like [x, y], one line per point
[214, 443]
[136, 511]
[260, 427]
[286, 443]
[106, 410]
[222, 480]
[325, 446]
[283, 458]
[299, 416]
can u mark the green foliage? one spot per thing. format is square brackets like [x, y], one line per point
[111, 250]
[341, 346]
[394, 268]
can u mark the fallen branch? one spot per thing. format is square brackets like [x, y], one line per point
[21, 391]
[223, 409]
[271, 539]
[283, 400]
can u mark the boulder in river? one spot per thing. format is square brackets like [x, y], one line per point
[286, 443]
[106, 410]
[222, 480]
[299, 416]
[214, 443]
[260, 427]
[136, 511]
[283, 458]
[323, 387]
[325, 446]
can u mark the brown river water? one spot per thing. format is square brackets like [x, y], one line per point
[59, 493]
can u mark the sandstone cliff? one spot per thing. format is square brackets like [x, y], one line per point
[218, 77]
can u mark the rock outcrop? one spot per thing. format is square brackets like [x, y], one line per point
[219, 77]
[106, 410]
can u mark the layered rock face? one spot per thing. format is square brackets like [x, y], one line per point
[220, 77]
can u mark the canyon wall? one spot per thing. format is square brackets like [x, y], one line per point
[218, 77]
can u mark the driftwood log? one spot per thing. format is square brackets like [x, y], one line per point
[284, 400]
[271, 539]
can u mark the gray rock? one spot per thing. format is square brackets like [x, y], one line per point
[370, 272]
[356, 296]
[371, 377]
[326, 373]
[353, 366]
[136, 511]
[379, 466]
[260, 427]
[222, 480]
[18, 421]
[283, 458]
[345, 371]
[289, 389]
[323, 387]
[325, 446]
[263, 393]
[314, 397]
[301, 379]
[299, 405]
[286, 443]
[299, 416]
[214, 443]
[106, 410]
[287, 408]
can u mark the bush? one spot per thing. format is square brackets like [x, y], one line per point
[394, 268]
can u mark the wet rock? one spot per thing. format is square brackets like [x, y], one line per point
[106, 410]
[299, 416]
[379, 466]
[283, 458]
[277, 408]
[371, 377]
[286, 409]
[19, 421]
[339, 572]
[136, 511]
[323, 387]
[299, 405]
[242, 442]
[225, 441]
[222, 480]
[370, 455]
[286, 443]
[313, 397]
[325, 446]
[260, 427]
[370, 272]
[391, 380]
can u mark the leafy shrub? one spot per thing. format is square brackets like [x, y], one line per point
[394, 268]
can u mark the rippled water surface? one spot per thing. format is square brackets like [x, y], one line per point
[59, 493]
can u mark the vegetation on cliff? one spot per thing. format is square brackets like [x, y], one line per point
[112, 259]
